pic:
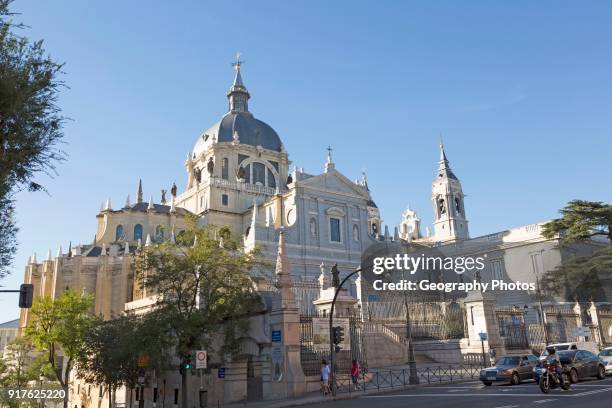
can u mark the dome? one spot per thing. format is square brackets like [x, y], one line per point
[249, 131]
[239, 124]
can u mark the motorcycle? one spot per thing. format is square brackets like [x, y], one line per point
[550, 378]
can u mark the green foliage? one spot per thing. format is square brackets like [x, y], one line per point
[580, 221]
[20, 368]
[8, 232]
[30, 121]
[582, 278]
[112, 350]
[60, 325]
[209, 259]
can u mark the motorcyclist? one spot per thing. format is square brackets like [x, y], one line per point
[552, 359]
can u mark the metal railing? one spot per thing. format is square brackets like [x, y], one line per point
[398, 378]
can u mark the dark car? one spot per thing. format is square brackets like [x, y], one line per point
[512, 369]
[581, 364]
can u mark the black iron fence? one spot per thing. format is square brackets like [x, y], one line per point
[314, 346]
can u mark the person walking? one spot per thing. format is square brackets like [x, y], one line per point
[355, 374]
[325, 371]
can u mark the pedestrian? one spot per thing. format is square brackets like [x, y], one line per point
[325, 371]
[355, 374]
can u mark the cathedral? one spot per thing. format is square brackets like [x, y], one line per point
[239, 175]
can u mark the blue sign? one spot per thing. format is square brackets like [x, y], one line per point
[276, 336]
[483, 336]
[373, 298]
[221, 372]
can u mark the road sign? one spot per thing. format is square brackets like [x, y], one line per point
[221, 372]
[200, 359]
[276, 336]
[483, 336]
[581, 331]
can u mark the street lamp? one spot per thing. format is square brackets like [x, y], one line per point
[413, 377]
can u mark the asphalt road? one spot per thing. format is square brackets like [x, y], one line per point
[586, 394]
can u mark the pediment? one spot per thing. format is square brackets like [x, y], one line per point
[334, 181]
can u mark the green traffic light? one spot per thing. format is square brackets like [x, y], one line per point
[187, 365]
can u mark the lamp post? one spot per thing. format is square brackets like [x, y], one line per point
[542, 316]
[331, 324]
[413, 377]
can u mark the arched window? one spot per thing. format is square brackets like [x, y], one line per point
[441, 207]
[137, 232]
[159, 233]
[355, 233]
[225, 169]
[271, 179]
[247, 174]
[458, 205]
[259, 173]
[374, 228]
[119, 233]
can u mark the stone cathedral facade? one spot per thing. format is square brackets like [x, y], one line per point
[238, 174]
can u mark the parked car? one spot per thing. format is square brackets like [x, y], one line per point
[580, 363]
[606, 356]
[511, 368]
[578, 345]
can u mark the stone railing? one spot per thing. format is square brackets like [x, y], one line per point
[370, 327]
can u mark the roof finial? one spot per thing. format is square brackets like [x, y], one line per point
[238, 62]
[329, 164]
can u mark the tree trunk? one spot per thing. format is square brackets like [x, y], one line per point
[66, 383]
[110, 396]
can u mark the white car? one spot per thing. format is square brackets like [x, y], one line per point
[606, 356]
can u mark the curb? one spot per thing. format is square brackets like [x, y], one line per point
[344, 396]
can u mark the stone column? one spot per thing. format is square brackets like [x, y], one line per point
[285, 377]
[481, 318]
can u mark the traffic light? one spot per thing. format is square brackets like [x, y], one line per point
[185, 362]
[338, 336]
[26, 294]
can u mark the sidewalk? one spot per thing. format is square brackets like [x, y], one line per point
[317, 398]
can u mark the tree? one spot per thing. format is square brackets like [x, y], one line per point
[114, 350]
[58, 326]
[583, 278]
[580, 221]
[204, 290]
[30, 120]
[19, 369]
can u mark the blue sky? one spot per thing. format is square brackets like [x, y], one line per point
[521, 92]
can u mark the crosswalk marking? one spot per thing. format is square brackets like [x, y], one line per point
[544, 401]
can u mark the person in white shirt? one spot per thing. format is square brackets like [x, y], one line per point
[325, 371]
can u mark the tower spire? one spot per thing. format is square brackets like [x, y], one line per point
[139, 194]
[444, 169]
[238, 95]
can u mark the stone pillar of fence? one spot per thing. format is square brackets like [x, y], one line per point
[284, 375]
[481, 318]
[595, 328]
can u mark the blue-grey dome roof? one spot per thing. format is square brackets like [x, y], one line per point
[239, 123]
[249, 130]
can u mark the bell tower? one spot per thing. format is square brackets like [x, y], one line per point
[450, 221]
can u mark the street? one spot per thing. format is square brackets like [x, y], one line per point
[586, 394]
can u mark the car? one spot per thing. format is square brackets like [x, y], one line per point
[511, 369]
[579, 345]
[580, 363]
[606, 356]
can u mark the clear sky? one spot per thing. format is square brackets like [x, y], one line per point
[520, 91]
